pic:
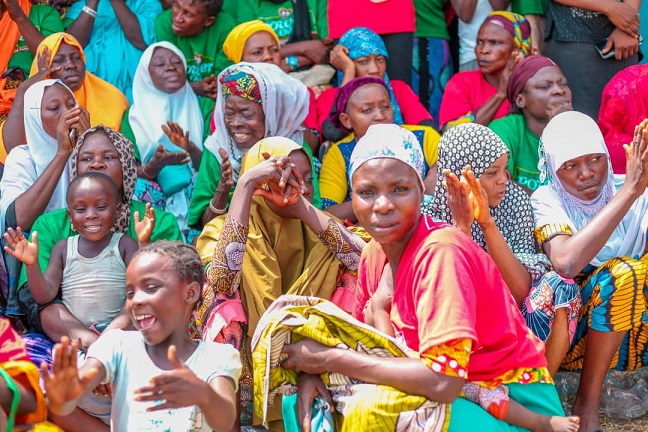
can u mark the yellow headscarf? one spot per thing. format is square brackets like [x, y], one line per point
[282, 255]
[235, 43]
[105, 103]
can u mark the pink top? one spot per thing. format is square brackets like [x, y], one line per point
[390, 16]
[464, 94]
[448, 288]
[623, 106]
[411, 107]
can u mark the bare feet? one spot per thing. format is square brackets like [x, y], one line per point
[559, 424]
[589, 418]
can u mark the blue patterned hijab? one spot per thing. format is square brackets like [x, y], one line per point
[362, 42]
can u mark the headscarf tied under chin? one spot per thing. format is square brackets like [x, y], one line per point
[362, 42]
[516, 25]
[129, 171]
[234, 44]
[523, 72]
[388, 141]
[570, 135]
[344, 94]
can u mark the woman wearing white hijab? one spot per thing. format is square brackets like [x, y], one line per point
[37, 173]
[592, 225]
[255, 100]
[162, 122]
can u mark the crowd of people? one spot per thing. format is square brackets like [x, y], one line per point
[319, 214]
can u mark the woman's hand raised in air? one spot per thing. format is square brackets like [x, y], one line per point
[637, 160]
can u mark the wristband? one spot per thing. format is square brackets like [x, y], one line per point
[217, 210]
[15, 400]
[293, 62]
[89, 11]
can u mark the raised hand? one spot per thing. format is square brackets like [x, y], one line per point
[637, 160]
[144, 227]
[13, 8]
[44, 70]
[459, 202]
[177, 388]
[226, 181]
[71, 120]
[162, 158]
[477, 196]
[516, 57]
[176, 134]
[64, 384]
[286, 190]
[20, 248]
[341, 61]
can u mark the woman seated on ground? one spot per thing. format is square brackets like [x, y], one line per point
[24, 25]
[60, 56]
[166, 127]
[479, 96]
[360, 52]
[537, 91]
[277, 248]
[623, 106]
[114, 35]
[359, 104]
[256, 42]
[593, 227]
[449, 295]
[496, 213]
[257, 100]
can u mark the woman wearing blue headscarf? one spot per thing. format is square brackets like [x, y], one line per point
[361, 52]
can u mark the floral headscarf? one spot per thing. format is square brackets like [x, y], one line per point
[388, 141]
[241, 84]
[127, 160]
[362, 42]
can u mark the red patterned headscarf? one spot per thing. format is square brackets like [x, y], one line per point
[241, 84]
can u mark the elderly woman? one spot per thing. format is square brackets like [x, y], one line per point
[496, 213]
[592, 226]
[537, 91]
[266, 247]
[257, 100]
[480, 96]
[60, 56]
[167, 139]
[449, 295]
[359, 104]
[256, 42]
[361, 52]
[121, 28]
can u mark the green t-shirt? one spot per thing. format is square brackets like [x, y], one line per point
[204, 51]
[430, 21]
[523, 145]
[47, 20]
[207, 182]
[280, 16]
[529, 7]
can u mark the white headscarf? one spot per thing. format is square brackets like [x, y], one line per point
[26, 163]
[152, 108]
[285, 106]
[568, 136]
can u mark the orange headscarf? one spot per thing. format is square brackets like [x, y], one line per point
[105, 103]
[10, 35]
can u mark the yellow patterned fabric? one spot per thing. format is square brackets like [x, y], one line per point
[292, 318]
[549, 231]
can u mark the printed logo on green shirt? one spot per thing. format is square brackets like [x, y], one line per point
[199, 67]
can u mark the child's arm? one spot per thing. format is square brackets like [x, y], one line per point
[144, 227]
[66, 385]
[127, 248]
[43, 287]
[181, 388]
[121, 322]
[380, 309]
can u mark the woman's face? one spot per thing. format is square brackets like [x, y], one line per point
[244, 121]
[493, 49]
[494, 179]
[167, 71]
[584, 177]
[73, 68]
[99, 154]
[261, 47]
[546, 88]
[368, 105]
[303, 166]
[387, 199]
[371, 65]
[56, 100]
